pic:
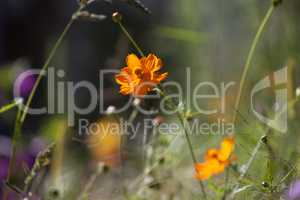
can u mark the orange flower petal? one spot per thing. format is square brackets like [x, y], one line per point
[202, 171]
[216, 160]
[226, 149]
[211, 154]
[152, 63]
[207, 169]
[133, 61]
[122, 78]
[160, 77]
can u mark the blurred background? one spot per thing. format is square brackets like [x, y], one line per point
[211, 37]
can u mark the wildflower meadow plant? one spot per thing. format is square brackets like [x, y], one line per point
[216, 160]
[141, 75]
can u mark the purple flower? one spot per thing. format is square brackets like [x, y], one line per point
[3, 168]
[37, 145]
[4, 156]
[25, 157]
[293, 193]
[5, 144]
[2, 98]
[24, 83]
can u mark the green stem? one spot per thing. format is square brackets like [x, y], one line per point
[89, 185]
[15, 140]
[133, 115]
[226, 184]
[131, 39]
[135, 111]
[247, 165]
[243, 79]
[250, 56]
[22, 115]
[186, 132]
[184, 123]
[182, 119]
[10, 106]
[47, 63]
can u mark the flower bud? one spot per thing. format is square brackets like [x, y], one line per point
[117, 17]
[110, 110]
[19, 101]
[136, 102]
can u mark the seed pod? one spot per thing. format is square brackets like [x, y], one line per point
[264, 139]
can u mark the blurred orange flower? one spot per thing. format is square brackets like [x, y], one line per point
[105, 141]
[140, 75]
[215, 160]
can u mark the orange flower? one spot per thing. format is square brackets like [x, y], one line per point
[105, 141]
[216, 160]
[140, 75]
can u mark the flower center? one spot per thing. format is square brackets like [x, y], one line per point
[139, 73]
[142, 74]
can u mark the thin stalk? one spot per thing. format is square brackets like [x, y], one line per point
[135, 110]
[131, 119]
[47, 63]
[186, 132]
[247, 166]
[250, 57]
[22, 115]
[181, 118]
[226, 184]
[133, 115]
[10, 106]
[131, 39]
[184, 122]
[253, 156]
[42, 160]
[242, 83]
[15, 140]
[101, 169]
